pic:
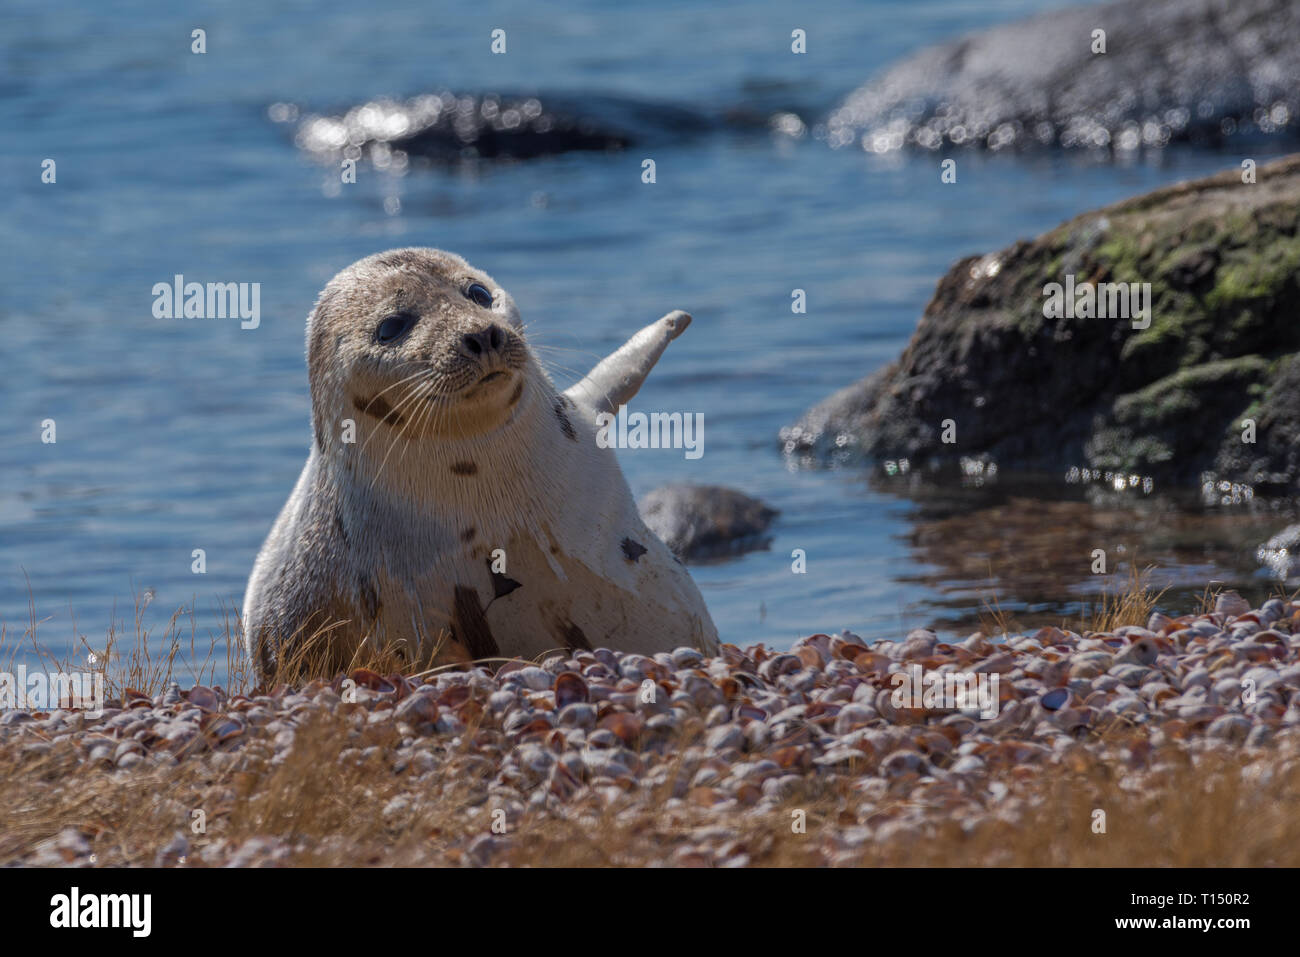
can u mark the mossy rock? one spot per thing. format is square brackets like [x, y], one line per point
[1165, 398]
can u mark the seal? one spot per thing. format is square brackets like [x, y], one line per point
[455, 506]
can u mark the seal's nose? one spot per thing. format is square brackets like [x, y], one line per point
[483, 342]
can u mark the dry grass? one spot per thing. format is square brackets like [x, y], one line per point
[1132, 605]
[331, 812]
[138, 657]
[147, 660]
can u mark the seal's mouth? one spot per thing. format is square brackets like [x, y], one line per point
[489, 383]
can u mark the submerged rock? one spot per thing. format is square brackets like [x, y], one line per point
[700, 522]
[1194, 378]
[446, 127]
[1172, 70]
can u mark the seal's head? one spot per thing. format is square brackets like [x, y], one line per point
[419, 342]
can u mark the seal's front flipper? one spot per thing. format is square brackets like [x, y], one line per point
[619, 375]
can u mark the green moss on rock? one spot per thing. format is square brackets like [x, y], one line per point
[1223, 262]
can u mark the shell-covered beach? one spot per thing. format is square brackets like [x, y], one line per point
[1177, 742]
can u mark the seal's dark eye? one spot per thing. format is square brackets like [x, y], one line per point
[479, 293]
[394, 327]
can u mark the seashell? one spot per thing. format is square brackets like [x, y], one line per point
[727, 686]
[1289, 677]
[810, 657]
[1158, 623]
[1200, 713]
[1273, 609]
[686, 658]
[1143, 651]
[725, 737]
[1161, 694]
[1271, 636]
[1260, 736]
[402, 686]
[735, 658]
[627, 727]
[779, 665]
[454, 696]
[1230, 604]
[1075, 721]
[1219, 660]
[580, 714]
[417, 709]
[519, 664]
[932, 743]
[884, 705]
[705, 797]
[570, 688]
[790, 756]
[854, 716]
[1049, 635]
[819, 644]
[371, 681]
[203, 698]
[1055, 699]
[902, 763]
[850, 652]
[842, 759]
[469, 712]
[1000, 663]
[873, 663]
[531, 677]
[1232, 728]
[223, 728]
[1129, 675]
[977, 644]
[523, 722]
[822, 712]
[919, 643]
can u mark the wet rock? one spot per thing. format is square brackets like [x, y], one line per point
[706, 522]
[1100, 399]
[1227, 71]
[446, 128]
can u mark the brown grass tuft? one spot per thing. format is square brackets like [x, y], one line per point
[1131, 606]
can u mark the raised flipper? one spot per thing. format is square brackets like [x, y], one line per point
[619, 375]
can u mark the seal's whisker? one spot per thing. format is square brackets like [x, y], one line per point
[394, 412]
[402, 381]
[421, 414]
[398, 434]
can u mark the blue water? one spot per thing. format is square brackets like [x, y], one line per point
[178, 435]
